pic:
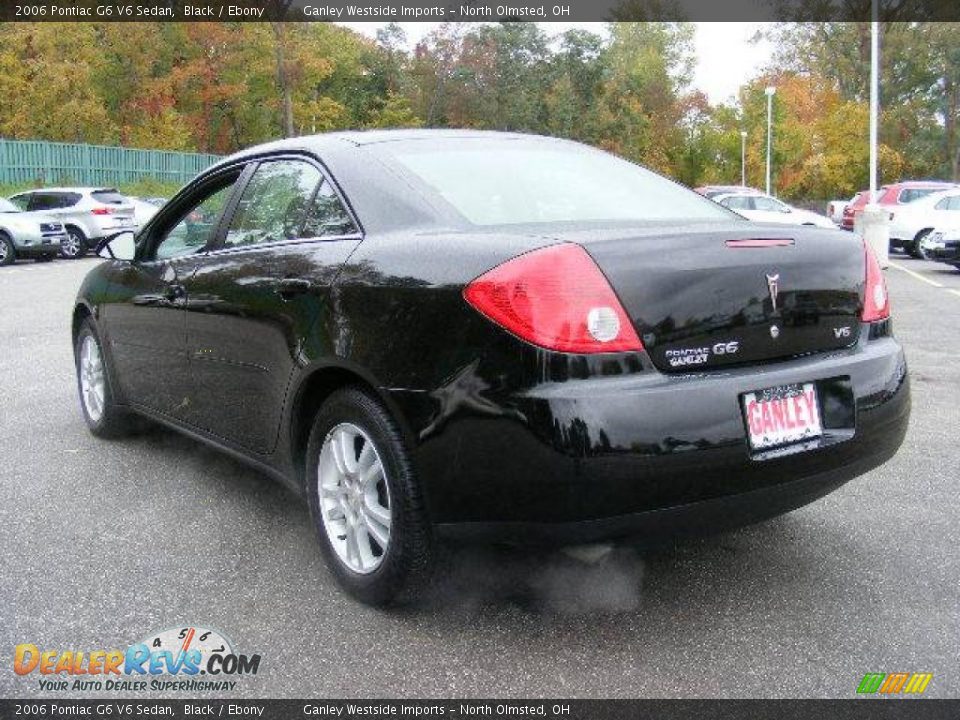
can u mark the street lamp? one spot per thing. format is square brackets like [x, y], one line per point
[769, 91]
[743, 158]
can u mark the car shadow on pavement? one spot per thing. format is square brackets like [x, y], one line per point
[507, 581]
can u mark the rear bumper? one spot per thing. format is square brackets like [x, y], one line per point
[651, 454]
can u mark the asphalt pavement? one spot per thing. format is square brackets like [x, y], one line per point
[105, 543]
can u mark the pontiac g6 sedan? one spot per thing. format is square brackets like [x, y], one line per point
[484, 336]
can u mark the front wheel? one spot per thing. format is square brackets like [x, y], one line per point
[100, 411]
[8, 253]
[74, 245]
[917, 250]
[365, 500]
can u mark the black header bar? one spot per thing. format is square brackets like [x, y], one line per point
[128, 709]
[473, 10]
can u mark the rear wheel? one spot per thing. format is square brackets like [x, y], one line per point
[100, 411]
[365, 500]
[8, 253]
[74, 245]
[916, 250]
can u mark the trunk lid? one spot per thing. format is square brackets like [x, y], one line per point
[720, 295]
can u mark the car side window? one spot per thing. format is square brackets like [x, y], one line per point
[769, 204]
[274, 204]
[737, 203]
[954, 203]
[327, 216]
[43, 201]
[196, 227]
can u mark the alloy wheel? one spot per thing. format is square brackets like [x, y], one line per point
[3, 250]
[71, 245]
[92, 387]
[354, 498]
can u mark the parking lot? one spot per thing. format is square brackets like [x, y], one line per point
[103, 543]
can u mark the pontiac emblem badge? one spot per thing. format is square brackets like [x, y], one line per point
[774, 332]
[773, 285]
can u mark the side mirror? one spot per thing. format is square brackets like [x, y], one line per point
[120, 246]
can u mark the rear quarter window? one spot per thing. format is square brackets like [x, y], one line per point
[108, 197]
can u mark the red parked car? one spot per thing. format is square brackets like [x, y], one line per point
[890, 196]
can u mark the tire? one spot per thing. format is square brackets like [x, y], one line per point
[8, 253]
[915, 250]
[103, 416]
[75, 246]
[403, 566]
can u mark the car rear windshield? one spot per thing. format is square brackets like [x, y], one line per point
[108, 197]
[516, 182]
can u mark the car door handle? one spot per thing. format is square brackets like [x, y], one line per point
[289, 287]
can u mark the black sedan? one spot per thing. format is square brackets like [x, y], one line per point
[443, 334]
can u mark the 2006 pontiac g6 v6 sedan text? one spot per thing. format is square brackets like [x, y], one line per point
[442, 334]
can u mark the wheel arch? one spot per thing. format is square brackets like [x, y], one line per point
[921, 233]
[311, 392]
[81, 312]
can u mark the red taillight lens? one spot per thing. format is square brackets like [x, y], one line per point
[557, 298]
[876, 302]
[102, 211]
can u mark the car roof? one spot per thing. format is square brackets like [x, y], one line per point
[903, 184]
[97, 188]
[744, 193]
[337, 141]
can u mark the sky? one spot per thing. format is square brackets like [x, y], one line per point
[725, 56]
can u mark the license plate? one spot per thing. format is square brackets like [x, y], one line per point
[782, 415]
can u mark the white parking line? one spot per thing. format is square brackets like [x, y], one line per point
[955, 292]
[917, 275]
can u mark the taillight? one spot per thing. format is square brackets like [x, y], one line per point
[876, 302]
[557, 298]
[102, 211]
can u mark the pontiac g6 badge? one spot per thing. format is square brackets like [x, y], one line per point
[773, 285]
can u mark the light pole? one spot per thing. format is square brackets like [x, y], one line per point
[743, 158]
[769, 91]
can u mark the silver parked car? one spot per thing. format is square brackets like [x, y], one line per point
[28, 235]
[145, 208]
[88, 214]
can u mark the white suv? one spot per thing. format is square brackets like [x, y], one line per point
[911, 223]
[88, 214]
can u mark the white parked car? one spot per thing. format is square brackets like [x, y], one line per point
[835, 210]
[764, 208]
[88, 214]
[28, 235]
[910, 223]
[942, 244]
